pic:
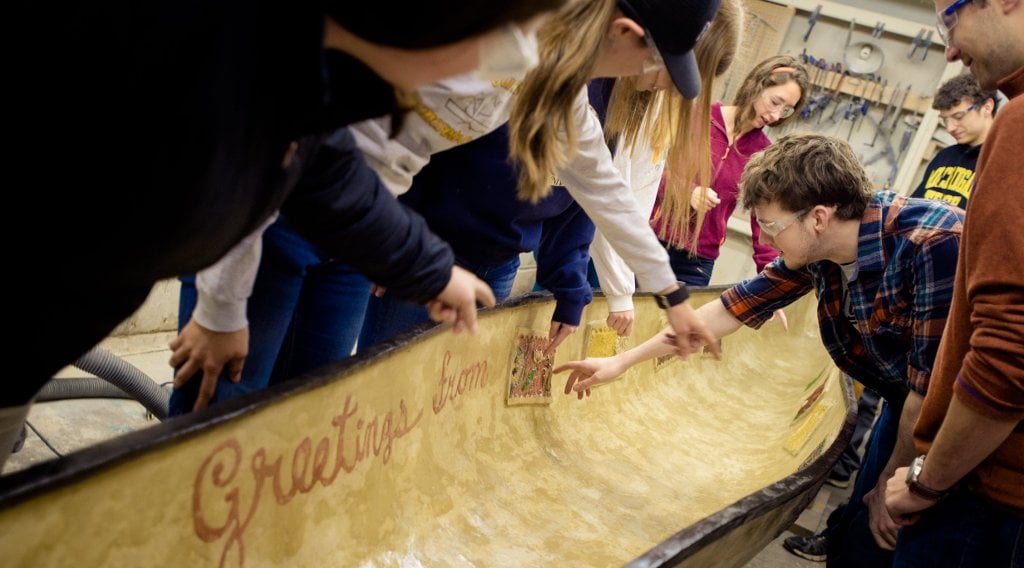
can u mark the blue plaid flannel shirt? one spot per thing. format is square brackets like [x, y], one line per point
[900, 294]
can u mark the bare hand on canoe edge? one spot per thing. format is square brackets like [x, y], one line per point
[456, 304]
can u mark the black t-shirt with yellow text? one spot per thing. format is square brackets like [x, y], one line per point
[950, 175]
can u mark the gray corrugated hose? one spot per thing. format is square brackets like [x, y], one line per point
[125, 376]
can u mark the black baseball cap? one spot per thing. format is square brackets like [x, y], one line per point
[430, 23]
[675, 26]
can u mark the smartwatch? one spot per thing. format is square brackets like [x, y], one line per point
[674, 298]
[915, 486]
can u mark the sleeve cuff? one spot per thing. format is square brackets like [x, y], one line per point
[620, 303]
[568, 312]
[662, 280]
[223, 316]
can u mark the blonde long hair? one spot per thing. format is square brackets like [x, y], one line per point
[542, 113]
[686, 125]
[542, 128]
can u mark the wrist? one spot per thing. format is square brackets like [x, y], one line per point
[917, 482]
[223, 316]
[672, 297]
[619, 303]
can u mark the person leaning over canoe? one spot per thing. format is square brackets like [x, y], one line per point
[882, 267]
[190, 124]
[552, 131]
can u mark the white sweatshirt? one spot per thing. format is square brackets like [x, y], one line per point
[461, 109]
[224, 287]
[642, 170]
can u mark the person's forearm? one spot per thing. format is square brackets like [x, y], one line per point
[656, 346]
[617, 280]
[903, 453]
[964, 440]
[599, 188]
[719, 321]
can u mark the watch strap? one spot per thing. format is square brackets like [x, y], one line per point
[673, 298]
[916, 487]
[924, 491]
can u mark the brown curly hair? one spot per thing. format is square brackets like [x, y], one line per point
[959, 88]
[803, 170]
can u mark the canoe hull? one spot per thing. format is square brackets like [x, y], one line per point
[444, 449]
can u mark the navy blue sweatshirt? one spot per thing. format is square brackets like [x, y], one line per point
[468, 197]
[175, 121]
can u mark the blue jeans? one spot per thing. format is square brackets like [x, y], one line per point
[692, 271]
[387, 317]
[962, 530]
[849, 537]
[304, 312]
[867, 408]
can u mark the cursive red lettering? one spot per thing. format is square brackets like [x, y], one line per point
[473, 376]
[217, 493]
[219, 470]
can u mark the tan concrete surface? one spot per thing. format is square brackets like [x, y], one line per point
[399, 494]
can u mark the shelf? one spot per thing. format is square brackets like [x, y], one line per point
[865, 18]
[855, 86]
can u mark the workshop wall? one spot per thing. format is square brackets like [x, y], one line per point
[885, 133]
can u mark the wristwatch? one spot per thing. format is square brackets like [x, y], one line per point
[673, 298]
[915, 486]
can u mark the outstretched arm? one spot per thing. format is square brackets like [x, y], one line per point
[596, 371]
[562, 258]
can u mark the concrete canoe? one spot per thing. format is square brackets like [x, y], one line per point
[455, 450]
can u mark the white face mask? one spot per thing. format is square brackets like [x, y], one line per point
[508, 52]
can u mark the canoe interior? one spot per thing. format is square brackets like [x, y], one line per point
[444, 449]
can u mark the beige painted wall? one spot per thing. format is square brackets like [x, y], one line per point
[158, 313]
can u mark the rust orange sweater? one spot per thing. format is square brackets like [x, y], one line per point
[981, 358]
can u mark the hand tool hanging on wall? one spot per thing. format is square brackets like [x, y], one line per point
[836, 91]
[896, 106]
[810, 23]
[927, 44]
[878, 86]
[838, 94]
[857, 103]
[886, 152]
[821, 89]
[883, 153]
[904, 142]
[815, 73]
[914, 122]
[899, 108]
[827, 93]
[885, 113]
[915, 43]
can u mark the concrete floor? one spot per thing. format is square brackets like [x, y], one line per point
[58, 428]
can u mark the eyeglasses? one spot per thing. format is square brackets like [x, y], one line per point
[947, 19]
[774, 228]
[957, 116]
[655, 63]
[777, 105]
